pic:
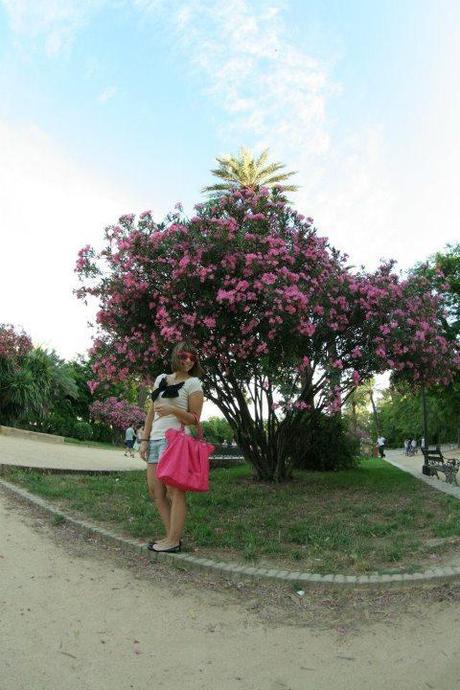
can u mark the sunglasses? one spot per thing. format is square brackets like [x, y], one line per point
[186, 355]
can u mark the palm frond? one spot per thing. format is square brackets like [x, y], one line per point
[270, 169]
[243, 170]
[277, 178]
[262, 158]
[217, 188]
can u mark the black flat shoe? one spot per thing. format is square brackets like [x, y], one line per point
[152, 544]
[171, 549]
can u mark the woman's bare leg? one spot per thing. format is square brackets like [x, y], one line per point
[159, 496]
[177, 515]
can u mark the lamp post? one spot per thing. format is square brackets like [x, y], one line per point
[425, 469]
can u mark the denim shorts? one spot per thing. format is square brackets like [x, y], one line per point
[156, 447]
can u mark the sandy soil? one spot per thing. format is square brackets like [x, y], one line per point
[77, 615]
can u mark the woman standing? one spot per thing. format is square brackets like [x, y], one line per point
[177, 399]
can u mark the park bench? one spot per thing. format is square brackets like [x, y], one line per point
[436, 462]
[224, 455]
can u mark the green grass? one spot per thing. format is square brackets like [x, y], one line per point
[373, 518]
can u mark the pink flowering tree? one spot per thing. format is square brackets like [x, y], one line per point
[14, 344]
[117, 414]
[284, 327]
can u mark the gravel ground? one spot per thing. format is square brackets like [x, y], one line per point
[72, 607]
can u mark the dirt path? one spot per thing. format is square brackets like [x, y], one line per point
[74, 618]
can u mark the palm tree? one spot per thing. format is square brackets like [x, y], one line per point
[29, 389]
[244, 170]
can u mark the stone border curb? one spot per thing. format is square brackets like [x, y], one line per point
[234, 570]
[28, 434]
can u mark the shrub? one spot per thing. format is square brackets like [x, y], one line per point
[327, 445]
[83, 431]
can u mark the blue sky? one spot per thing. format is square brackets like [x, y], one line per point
[110, 106]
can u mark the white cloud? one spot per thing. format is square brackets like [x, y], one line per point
[107, 93]
[150, 6]
[275, 93]
[49, 209]
[53, 22]
[254, 72]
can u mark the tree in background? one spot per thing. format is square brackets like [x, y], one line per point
[117, 414]
[400, 414]
[18, 393]
[442, 271]
[356, 409]
[217, 430]
[265, 301]
[400, 409]
[246, 171]
[32, 380]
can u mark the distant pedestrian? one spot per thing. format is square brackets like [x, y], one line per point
[139, 437]
[413, 446]
[406, 446]
[130, 435]
[381, 446]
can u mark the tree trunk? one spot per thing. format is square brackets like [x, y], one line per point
[270, 461]
[263, 443]
[374, 412]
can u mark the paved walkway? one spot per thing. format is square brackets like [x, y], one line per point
[413, 465]
[64, 456]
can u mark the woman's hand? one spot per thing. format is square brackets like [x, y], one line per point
[164, 409]
[143, 450]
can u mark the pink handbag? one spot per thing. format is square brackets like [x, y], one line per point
[185, 461]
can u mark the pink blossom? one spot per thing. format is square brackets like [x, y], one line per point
[301, 405]
[14, 344]
[278, 290]
[127, 218]
[268, 278]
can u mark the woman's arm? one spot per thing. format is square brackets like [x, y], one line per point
[146, 433]
[195, 405]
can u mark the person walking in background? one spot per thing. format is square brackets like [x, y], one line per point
[139, 437]
[177, 399]
[130, 435]
[381, 446]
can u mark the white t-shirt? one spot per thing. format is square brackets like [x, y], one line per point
[129, 434]
[170, 421]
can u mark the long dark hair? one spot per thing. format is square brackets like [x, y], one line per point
[185, 346]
